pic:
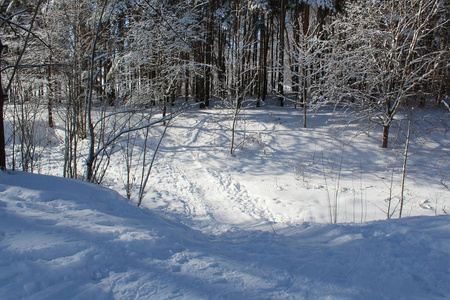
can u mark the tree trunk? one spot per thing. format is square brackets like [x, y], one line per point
[200, 78]
[221, 66]
[187, 79]
[90, 176]
[281, 58]
[265, 40]
[295, 64]
[305, 67]
[209, 48]
[262, 60]
[50, 95]
[385, 136]
[305, 19]
[305, 94]
[2, 127]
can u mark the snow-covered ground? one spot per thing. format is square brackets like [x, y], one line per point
[252, 225]
[65, 239]
[282, 174]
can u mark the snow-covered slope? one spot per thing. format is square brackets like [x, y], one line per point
[280, 174]
[65, 239]
[283, 174]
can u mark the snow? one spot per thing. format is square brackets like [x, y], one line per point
[66, 239]
[253, 225]
[284, 175]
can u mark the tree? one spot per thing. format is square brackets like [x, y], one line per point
[2, 126]
[7, 17]
[378, 55]
[138, 77]
[282, 30]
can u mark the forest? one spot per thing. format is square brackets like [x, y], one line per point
[224, 149]
[110, 68]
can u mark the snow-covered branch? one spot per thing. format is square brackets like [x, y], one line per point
[116, 136]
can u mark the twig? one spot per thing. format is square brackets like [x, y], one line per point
[408, 137]
[142, 187]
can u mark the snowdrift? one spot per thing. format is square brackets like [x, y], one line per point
[65, 239]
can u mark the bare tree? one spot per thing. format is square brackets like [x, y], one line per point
[6, 17]
[378, 56]
[405, 160]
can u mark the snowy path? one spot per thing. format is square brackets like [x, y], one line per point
[283, 175]
[247, 226]
[210, 195]
[63, 239]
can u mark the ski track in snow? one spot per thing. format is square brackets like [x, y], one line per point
[253, 216]
[210, 195]
[280, 177]
[215, 193]
[64, 239]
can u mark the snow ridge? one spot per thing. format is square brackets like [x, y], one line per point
[64, 239]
